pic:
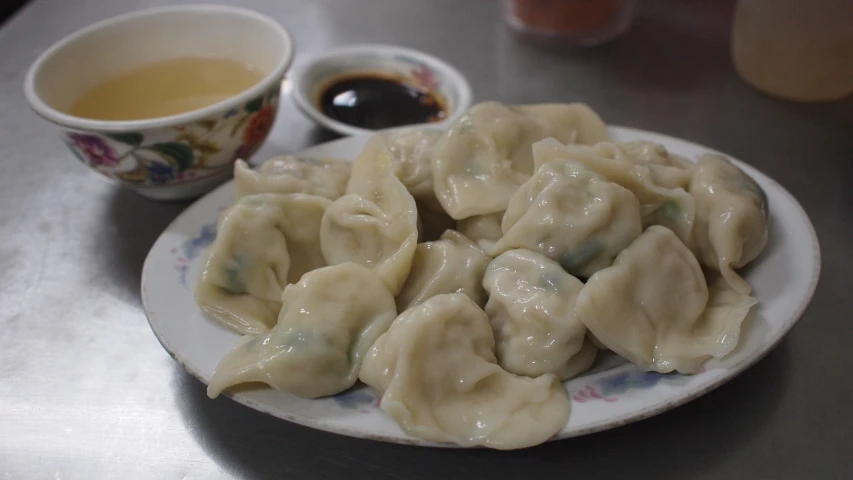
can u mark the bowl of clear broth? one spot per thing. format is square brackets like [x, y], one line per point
[164, 100]
[360, 89]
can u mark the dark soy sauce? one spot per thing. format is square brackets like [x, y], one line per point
[374, 102]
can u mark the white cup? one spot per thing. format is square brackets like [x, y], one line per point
[177, 156]
[795, 49]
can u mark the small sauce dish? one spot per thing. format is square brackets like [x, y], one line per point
[360, 89]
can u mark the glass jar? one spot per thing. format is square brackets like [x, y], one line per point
[795, 49]
[571, 22]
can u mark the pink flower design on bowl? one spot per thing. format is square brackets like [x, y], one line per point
[424, 77]
[95, 149]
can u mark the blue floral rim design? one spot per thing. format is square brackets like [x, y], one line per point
[191, 248]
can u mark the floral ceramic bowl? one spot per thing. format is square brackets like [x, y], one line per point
[439, 79]
[179, 156]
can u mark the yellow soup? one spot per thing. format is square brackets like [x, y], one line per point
[165, 88]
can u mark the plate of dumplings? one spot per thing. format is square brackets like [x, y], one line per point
[526, 275]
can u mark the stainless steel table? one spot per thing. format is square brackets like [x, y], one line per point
[86, 392]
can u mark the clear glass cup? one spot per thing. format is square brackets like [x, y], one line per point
[571, 23]
[795, 49]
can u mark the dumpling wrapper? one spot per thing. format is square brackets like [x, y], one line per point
[376, 226]
[302, 217]
[439, 379]
[731, 218]
[717, 332]
[452, 264]
[481, 228]
[408, 152]
[531, 310]
[571, 215]
[327, 323]
[647, 307]
[263, 242]
[326, 177]
[660, 204]
[485, 155]
[666, 169]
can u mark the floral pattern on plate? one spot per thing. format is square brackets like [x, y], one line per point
[361, 398]
[189, 249]
[612, 387]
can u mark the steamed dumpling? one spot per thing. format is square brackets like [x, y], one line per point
[482, 227]
[452, 264]
[301, 218]
[412, 148]
[731, 218]
[408, 152]
[485, 156]
[666, 169]
[531, 309]
[263, 242]
[659, 205]
[649, 304]
[721, 321]
[326, 177]
[246, 269]
[436, 369]
[571, 215]
[375, 226]
[327, 324]
[716, 333]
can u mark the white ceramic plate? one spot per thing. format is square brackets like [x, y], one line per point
[612, 394]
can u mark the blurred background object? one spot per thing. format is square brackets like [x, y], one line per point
[793, 49]
[571, 22]
[9, 7]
